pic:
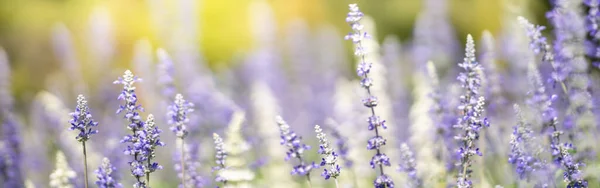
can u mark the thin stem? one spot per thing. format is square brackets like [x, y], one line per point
[148, 172]
[85, 165]
[336, 183]
[308, 180]
[182, 164]
[354, 181]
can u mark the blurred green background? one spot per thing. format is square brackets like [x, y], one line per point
[223, 26]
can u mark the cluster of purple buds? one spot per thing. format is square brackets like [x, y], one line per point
[330, 158]
[82, 120]
[295, 149]
[178, 113]
[375, 122]
[105, 175]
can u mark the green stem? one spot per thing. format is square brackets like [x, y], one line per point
[308, 180]
[182, 164]
[337, 185]
[85, 165]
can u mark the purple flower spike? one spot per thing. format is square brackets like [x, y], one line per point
[178, 112]
[329, 156]
[105, 176]
[364, 68]
[472, 120]
[82, 120]
[295, 149]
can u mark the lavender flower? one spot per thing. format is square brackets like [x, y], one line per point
[569, 46]
[178, 119]
[539, 44]
[493, 87]
[559, 151]
[10, 152]
[295, 149]
[82, 120]
[165, 72]
[441, 115]
[472, 110]
[375, 143]
[136, 125]
[105, 176]
[408, 166]
[220, 156]
[523, 148]
[150, 139]
[178, 112]
[592, 44]
[329, 156]
[63, 175]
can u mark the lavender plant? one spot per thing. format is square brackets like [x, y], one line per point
[150, 140]
[592, 21]
[329, 156]
[539, 44]
[568, 21]
[131, 109]
[408, 166]
[178, 119]
[472, 120]
[220, 156]
[295, 150]
[524, 150]
[82, 121]
[105, 175]
[375, 122]
[442, 117]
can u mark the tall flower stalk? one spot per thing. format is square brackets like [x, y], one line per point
[220, 156]
[295, 150]
[82, 121]
[524, 149]
[131, 110]
[150, 140]
[329, 156]
[539, 44]
[178, 119]
[472, 120]
[375, 122]
[409, 166]
[561, 152]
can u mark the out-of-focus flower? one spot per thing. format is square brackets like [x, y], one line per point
[220, 156]
[408, 166]
[63, 175]
[295, 148]
[592, 23]
[105, 175]
[524, 149]
[539, 44]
